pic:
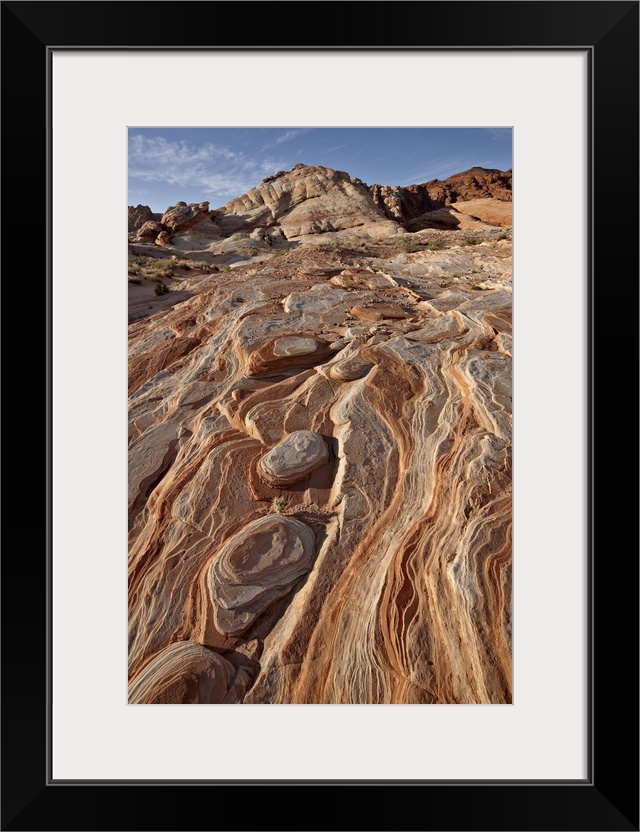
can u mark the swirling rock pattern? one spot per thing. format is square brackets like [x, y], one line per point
[185, 674]
[383, 575]
[282, 355]
[349, 369]
[256, 567]
[300, 453]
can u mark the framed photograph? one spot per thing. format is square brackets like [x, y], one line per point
[541, 752]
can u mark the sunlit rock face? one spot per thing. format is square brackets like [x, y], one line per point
[319, 502]
[305, 201]
[300, 453]
[475, 188]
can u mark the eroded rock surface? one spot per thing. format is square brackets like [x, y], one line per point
[373, 565]
[256, 567]
[186, 674]
[299, 453]
[139, 215]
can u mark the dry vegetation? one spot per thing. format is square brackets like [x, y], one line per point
[158, 269]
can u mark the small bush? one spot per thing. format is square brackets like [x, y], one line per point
[278, 504]
[435, 245]
[502, 237]
[161, 289]
[409, 246]
[471, 241]
[135, 280]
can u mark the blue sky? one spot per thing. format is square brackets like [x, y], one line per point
[217, 164]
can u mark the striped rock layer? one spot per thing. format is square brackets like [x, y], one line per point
[380, 575]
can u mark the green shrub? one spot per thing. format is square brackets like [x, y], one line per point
[161, 289]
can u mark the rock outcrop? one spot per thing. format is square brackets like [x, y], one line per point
[139, 215]
[310, 201]
[149, 231]
[304, 201]
[293, 459]
[405, 204]
[190, 223]
[288, 354]
[261, 564]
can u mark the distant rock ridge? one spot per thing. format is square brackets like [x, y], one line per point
[404, 204]
[310, 200]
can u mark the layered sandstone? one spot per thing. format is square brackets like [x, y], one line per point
[369, 563]
[309, 202]
[406, 204]
[261, 564]
[304, 201]
[294, 458]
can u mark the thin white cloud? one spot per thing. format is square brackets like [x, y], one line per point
[333, 149]
[290, 134]
[287, 136]
[215, 169]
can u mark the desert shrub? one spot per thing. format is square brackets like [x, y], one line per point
[502, 237]
[435, 245]
[409, 245]
[135, 280]
[161, 289]
[193, 265]
[471, 241]
[278, 504]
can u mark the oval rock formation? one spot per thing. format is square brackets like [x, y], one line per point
[287, 353]
[349, 369]
[256, 567]
[300, 453]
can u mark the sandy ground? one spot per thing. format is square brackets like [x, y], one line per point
[143, 300]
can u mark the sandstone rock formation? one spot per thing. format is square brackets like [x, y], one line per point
[185, 674]
[139, 215]
[409, 203]
[149, 231]
[287, 354]
[309, 201]
[320, 468]
[292, 459]
[190, 223]
[256, 567]
[304, 201]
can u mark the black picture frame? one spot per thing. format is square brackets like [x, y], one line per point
[608, 798]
